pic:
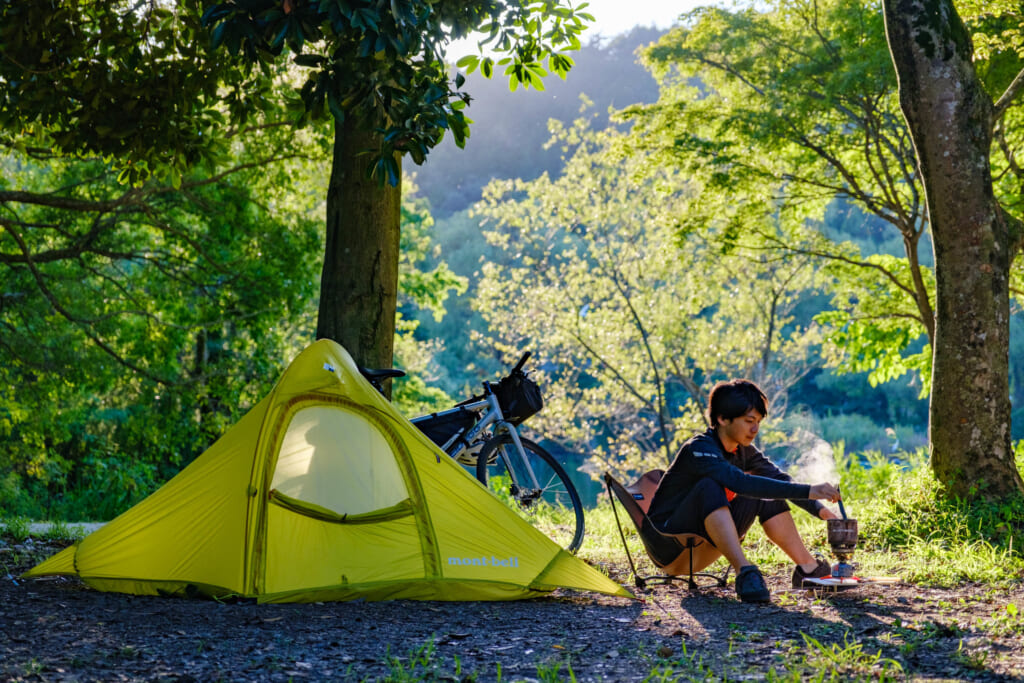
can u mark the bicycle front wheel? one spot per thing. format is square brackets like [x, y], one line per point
[553, 505]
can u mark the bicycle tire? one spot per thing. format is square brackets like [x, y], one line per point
[498, 458]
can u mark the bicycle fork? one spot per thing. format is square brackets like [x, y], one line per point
[534, 485]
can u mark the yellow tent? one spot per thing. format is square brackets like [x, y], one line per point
[323, 491]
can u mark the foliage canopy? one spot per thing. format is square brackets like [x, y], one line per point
[131, 85]
[785, 109]
[385, 63]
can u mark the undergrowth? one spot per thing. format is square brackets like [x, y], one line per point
[936, 538]
[18, 529]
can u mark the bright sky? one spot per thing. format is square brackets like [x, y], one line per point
[612, 17]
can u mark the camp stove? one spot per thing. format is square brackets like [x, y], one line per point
[842, 537]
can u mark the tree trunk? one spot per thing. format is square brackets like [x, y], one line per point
[950, 119]
[359, 285]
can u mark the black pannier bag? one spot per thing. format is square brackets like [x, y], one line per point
[519, 397]
[441, 428]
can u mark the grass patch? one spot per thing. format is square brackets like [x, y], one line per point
[426, 664]
[938, 540]
[1006, 620]
[16, 529]
[20, 529]
[62, 532]
[815, 661]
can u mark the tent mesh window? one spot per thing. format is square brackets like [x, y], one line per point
[338, 460]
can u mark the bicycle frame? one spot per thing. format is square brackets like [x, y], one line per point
[485, 443]
[490, 415]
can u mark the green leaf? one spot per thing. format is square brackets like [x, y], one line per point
[434, 93]
[469, 63]
[217, 37]
[309, 60]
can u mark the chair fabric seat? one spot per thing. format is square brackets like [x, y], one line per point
[662, 548]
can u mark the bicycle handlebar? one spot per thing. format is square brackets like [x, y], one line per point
[519, 365]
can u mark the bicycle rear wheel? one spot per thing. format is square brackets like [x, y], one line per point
[554, 507]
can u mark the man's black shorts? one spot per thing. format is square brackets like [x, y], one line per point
[706, 497]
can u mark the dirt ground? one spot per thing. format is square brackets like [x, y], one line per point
[56, 629]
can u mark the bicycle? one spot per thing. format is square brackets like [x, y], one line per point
[480, 433]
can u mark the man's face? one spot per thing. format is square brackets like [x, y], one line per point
[742, 429]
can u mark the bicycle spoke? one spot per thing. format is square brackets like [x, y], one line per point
[552, 505]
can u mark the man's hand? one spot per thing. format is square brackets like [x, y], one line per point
[825, 513]
[825, 491]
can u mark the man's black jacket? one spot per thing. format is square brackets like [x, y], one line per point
[747, 472]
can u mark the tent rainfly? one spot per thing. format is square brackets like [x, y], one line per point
[323, 491]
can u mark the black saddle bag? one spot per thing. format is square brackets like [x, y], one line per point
[519, 397]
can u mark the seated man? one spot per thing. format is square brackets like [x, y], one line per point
[718, 483]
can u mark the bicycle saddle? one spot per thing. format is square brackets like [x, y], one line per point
[382, 373]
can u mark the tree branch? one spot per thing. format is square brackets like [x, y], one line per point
[642, 329]
[1006, 99]
[842, 259]
[81, 324]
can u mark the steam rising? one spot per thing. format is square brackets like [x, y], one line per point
[816, 462]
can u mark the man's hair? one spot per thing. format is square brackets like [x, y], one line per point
[729, 400]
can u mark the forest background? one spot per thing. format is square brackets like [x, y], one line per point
[557, 230]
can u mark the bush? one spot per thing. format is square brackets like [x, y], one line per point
[867, 475]
[943, 540]
[106, 487]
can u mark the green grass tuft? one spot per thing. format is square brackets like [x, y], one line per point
[16, 528]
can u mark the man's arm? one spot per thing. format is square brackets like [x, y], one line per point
[753, 485]
[755, 462]
[825, 491]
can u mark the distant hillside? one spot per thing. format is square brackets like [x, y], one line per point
[510, 128]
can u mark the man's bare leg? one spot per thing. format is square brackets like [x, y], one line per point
[781, 530]
[722, 530]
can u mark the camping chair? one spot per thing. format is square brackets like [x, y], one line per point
[661, 547]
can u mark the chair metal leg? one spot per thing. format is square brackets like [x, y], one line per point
[690, 546]
[719, 580]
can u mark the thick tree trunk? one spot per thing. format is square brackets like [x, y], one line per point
[359, 285]
[950, 118]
